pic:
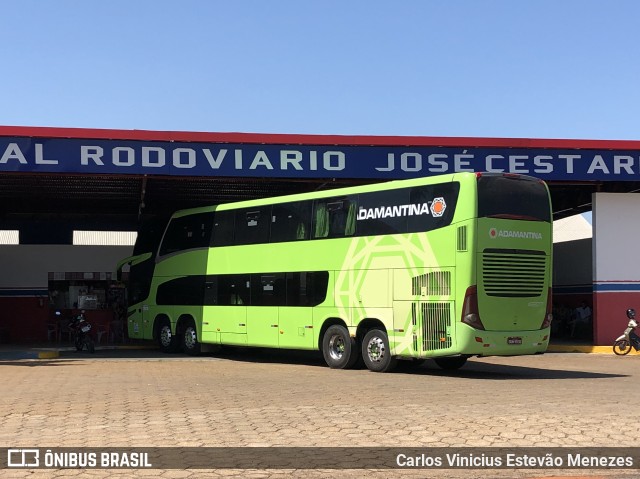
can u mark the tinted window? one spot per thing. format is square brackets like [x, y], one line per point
[290, 221]
[268, 289]
[436, 205]
[187, 232]
[307, 288]
[223, 228]
[187, 291]
[252, 225]
[334, 217]
[229, 290]
[407, 210]
[513, 197]
[140, 276]
[380, 213]
[150, 233]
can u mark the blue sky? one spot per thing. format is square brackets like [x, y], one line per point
[501, 68]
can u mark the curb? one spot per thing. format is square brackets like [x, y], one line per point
[584, 349]
[15, 355]
[55, 353]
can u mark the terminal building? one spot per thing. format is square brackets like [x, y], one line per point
[72, 200]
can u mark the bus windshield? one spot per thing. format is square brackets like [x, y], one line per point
[513, 197]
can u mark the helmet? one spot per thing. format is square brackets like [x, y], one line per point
[631, 313]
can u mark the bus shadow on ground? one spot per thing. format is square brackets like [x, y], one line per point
[500, 372]
[474, 369]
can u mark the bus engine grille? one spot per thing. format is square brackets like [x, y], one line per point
[513, 273]
[435, 319]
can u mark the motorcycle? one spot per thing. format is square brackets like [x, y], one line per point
[80, 329]
[629, 339]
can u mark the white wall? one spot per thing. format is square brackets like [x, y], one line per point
[616, 237]
[28, 266]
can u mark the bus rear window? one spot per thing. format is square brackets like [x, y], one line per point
[513, 197]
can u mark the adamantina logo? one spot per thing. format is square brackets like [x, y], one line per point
[495, 233]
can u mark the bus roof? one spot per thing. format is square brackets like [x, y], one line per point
[350, 190]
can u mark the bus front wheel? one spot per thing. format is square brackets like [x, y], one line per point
[338, 348]
[377, 353]
[167, 341]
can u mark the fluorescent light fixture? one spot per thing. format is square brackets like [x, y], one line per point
[104, 238]
[9, 237]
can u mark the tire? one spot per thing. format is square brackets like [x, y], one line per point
[621, 347]
[167, 341]
[451, 363]
[190, 343]
[339, 348]
[78, 343]
[377, 353]
[90, 346]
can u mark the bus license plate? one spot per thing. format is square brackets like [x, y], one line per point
[514, 340]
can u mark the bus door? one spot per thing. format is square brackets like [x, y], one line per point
[267, 293]
[304, 291]
[230, 319]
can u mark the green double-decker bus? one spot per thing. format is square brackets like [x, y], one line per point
[446, 267]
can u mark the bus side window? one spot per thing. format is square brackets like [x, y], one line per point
[335, 218]
[211, 291]
[187, 232]
[233, 290]
[268, 290]
[252, 225]
[223, 226]
[307, 288]
[290, 221]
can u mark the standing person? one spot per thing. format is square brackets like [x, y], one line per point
[582, 317]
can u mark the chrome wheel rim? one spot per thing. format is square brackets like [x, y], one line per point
[190, 338]
[376, 349]
[336, 347]
[165, 335]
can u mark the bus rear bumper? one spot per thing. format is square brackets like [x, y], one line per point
[503, 343]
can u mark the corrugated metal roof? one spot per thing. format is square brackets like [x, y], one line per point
[572, 228]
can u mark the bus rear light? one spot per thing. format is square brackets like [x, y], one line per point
[479, 340]
[548, 315]
[470, 313]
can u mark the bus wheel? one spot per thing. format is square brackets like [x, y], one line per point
[451, 363]
[338, 348]
[377, 353]
[190, 343]
[167, 341]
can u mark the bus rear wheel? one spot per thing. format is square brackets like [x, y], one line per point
[377, 353]
[338, 348]
[451, 363]
[190, 343]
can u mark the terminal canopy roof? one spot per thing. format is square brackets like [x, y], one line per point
[55, 179]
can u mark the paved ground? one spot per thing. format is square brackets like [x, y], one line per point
[144, 399]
